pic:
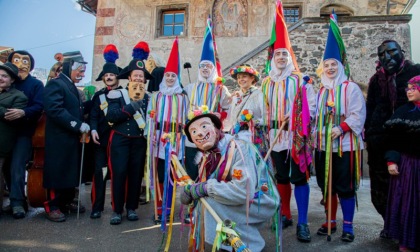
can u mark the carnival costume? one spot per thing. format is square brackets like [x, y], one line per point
[167, 112]
[402, 218]
[208, 91]
[288, 93]
[340, 105]
[235, 181]
[385, 94]
[127, 144]
[99, 124]
[22, 150]
[247, 111]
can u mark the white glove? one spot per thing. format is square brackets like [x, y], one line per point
[84, 128]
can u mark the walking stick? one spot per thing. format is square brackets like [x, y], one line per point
[83, 141]
[329, 178]
[275, 141]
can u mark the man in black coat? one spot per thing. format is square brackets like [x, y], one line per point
[28, 118]
[101, 129]
[64, 111]
[386, 92]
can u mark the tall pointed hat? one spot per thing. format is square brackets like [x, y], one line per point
[207, 52]
[110, 55]
[173, 64]
[334, 48]
[279, 37]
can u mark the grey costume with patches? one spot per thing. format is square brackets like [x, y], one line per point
[228, 199]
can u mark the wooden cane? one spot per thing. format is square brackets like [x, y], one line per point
[275, 141]
[83, 141]
[329, 188]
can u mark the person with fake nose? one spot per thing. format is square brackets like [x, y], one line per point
[21, 153]
[233, 179]
[127, 142]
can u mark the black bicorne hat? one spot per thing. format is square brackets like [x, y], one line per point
[110, 56]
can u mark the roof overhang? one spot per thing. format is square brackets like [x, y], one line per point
[89, 6]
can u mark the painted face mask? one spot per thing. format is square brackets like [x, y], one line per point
[203, 133]
[390, 56]
[136, 90]
[23, 63]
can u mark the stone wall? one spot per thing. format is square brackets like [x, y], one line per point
[361, 36]
[126, 22]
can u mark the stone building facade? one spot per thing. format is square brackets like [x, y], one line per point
[243, 28]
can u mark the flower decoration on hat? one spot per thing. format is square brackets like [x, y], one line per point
[244, 69]
[204, 109]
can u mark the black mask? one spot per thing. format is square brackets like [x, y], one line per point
[391, 56]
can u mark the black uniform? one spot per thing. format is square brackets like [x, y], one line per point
[64, 111]
[127, 152]
[99, 123]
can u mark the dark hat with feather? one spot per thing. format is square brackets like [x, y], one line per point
[140, 54]
[110, 56]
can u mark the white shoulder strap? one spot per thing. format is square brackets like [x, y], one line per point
[137, 116]
[104, 103]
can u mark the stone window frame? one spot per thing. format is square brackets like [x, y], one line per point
[298, 6]
[160, 10]
[341, 10]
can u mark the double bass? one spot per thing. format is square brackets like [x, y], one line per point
[35, 191]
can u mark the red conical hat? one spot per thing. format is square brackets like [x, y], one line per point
[173, 60]
[282, 35]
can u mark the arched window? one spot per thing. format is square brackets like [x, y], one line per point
[340, 10]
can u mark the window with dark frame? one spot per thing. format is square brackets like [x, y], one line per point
[291, 14]
[173, 22]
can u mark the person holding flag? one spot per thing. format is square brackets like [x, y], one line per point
[167, 113]
[289, 97]
[208, 90]
[339, 119]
